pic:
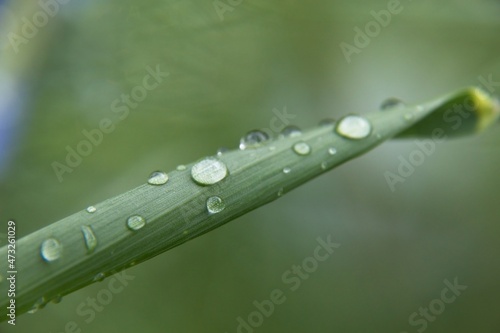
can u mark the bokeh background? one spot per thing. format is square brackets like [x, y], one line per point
[226, 77]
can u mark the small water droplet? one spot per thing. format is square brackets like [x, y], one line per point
[332, 151]
[51, 250]
[136, 222]
[57, 299]
[99, 277]
[302, 148]
[420, 108]
[157, 178]
[286, 170]
[89, 238]
[39, 304]
[181, 167]
[354, 127]
[280, 192]
[222, 150]
[408, 116]
[209, 171]
[326, 122]
[391, 103]
[271, 148]
[91, 209]
[253, 139]
[378, 136]
[291, 131]
[324, 165]
[215, 205]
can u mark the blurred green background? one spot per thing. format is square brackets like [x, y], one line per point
[226, 77]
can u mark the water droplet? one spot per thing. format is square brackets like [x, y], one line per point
[89, 238]
[326, 122]
[91, 209]
[253, 139]
[209, 171]
[408, 116]
[99, 277]
[391, 103]
[286, 170]
[354, 127]
[215, 205]
[39, 304]
[302, 148]
[324, 165]
[271, 148]
[51, 250]
[158, 178]
[181, 167]
[332, 151]
[57, 299]
[136, 222]
[291, 131]
[280, 192]
[221, 151]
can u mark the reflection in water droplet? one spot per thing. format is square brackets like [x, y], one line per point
[291, 131]
[354, 127]
[302, 148]
[158, 178]
[39, 304]
[209, 171]
[253, 139]
[221, 151]
[391, 103]
[91, 209]
[286, 170]
[51, 250]
[99, 277]
[326, 122]
[181, 167]
[332, 151]
[89, 238]
[136, 222]
[215, 205]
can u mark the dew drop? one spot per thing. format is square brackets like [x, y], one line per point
[332, 151]
[391, 103]
[408, 116]
[354, 127]
[57, 299]
[326, 122]
[136, 222]
[286, 170]
[291, 131]
[280, 192]
[215, 205]
[51, 250]
[209, 171]
[158, 178]
[39, 304]
[302, 148]
[91, 209]
[221, 151]
[181, 167]
[253, 139]
[89, 238]
[271, 148]
[324, 165]
[99, 277]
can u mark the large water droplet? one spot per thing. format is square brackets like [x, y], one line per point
[91, 209]
[39, 304]
[253, 139]
[158, 178]
[215, 205]
[391, 103]
[89, 238]
[291, 131]
[354, 127]
[51, 250]
[136, 222]
[99, 277]
[332, 151]
[209, 171]
[302, 148]
[287, 170]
